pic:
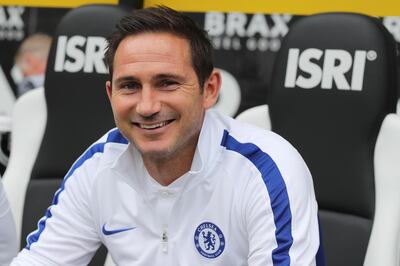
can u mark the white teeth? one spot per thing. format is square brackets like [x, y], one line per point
[161, 124]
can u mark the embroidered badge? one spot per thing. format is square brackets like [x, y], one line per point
[209, 240]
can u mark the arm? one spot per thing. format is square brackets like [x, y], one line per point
[66, 235]
[8, 236]
[281, 212]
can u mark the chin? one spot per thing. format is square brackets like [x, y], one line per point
[156, 151]
[156, 154]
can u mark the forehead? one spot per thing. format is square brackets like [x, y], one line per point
[152, 50]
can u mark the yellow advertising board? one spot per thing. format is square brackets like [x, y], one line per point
[54, 3]
[298, 7]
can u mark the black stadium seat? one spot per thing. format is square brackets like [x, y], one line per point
[334, 82]
[77, 104]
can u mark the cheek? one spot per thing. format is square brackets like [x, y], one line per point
[194, 113]
[191, 101]
[121, 106]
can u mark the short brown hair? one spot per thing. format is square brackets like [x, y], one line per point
[164, 19]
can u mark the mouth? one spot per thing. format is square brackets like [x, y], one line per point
[154, 125]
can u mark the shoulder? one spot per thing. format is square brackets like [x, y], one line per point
[100, 154]
[245, 138]
[266, 150]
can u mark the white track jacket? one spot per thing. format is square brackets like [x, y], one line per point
[8, 235]
[248, 200]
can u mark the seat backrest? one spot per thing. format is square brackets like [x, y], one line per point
[7, 100]
[28, 123]
[77, 104]
[334, 81]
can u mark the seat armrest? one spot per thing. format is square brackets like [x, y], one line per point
[383, 247]
[257, 116]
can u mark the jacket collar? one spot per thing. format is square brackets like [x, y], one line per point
[130, 165]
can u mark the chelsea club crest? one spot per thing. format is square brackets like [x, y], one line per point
[209, 240]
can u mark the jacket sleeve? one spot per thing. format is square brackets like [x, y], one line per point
[66, 234]
[8, 236]
[281, 211]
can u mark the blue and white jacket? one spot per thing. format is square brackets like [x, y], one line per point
[247, 200]
[8, 234]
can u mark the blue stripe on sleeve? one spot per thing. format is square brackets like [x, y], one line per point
[114, 136]
[277, 192]
[320, 257]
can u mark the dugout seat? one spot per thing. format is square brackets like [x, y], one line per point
[7, 100]
[78, 112]
[333, 85]
[28, 123]
[257, 116]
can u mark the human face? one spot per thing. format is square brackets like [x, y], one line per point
[155, 95]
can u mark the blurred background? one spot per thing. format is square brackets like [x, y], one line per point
[247, 36]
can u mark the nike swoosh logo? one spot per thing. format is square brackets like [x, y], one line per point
[116, 231]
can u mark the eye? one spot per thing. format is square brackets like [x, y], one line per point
[168, 84]
[130, 86]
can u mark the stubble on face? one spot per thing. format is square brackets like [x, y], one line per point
[148, 60]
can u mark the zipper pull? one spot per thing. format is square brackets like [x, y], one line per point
[164, 239]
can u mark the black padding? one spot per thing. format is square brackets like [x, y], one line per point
[38, 198]
[131, 3]
[335, 129]
[345, 238]
[78, 108]
[99, 257]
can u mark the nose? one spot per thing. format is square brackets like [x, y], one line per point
[149, 104]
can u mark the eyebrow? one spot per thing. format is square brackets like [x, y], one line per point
[168, 76]
[154, 79]
[125, 79]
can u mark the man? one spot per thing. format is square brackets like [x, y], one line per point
[177, 183]
[8, 235]
[31, 60]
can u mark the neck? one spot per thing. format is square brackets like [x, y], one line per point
[167, 170]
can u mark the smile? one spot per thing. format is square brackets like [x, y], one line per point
[154, 126]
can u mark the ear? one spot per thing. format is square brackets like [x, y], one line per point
[109, 89]
[211, 89]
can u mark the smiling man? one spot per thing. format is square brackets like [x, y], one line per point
[177, 183]
[158, 101]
